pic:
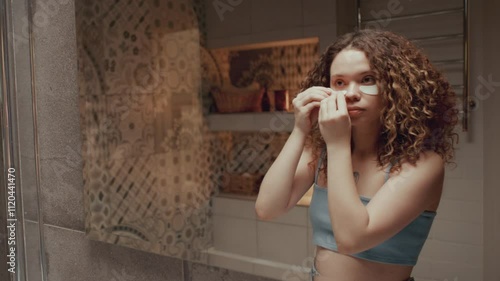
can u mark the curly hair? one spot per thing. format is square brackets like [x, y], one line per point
[419, 107]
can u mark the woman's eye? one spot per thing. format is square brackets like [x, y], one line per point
[338, 83]
[368, 80]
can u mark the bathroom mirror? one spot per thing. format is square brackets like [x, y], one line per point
[153, 166]
[146, 157]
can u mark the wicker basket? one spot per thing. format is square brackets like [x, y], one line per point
[237, 100]
[243, 184]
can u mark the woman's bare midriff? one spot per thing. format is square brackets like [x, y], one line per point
[333, 266]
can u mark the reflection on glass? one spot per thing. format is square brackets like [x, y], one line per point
[146, 160]
[151, 166]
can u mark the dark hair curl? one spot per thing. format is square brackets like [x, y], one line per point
[419, 111]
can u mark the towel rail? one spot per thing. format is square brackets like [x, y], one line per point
[419, 15]
[467, 103]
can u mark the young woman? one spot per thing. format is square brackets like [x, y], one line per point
[373, 132]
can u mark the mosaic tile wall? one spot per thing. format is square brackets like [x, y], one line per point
[148, 164]
[151, 166]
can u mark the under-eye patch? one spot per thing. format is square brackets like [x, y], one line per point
[369, 89]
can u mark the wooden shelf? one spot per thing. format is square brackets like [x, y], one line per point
[277, 121]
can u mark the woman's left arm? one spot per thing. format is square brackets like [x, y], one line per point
[398, 202]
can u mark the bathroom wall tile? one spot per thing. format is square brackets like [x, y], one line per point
[318, 12]
[327, 33]
[276, 15]
[55, 63]
[203, 272]
[59, 132]
[270, 35]
[466, 150]
[458, 232]
[281, 242]
[228, 20]
[452, 252]
[455, 271]
[234, 207]
[455, 172]
[463, 189]
[470, 160]
[71, 256]
[473, 168]
[311, 247]
[131, 131]
[464, 211]
[61, 195]
[230, 263]
[280, 273]
[235, 235]
[296, 216]
[32, 235]
[422, 269]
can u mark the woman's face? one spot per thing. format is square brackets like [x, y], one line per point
[350, 71]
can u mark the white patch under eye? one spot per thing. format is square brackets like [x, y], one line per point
[369, 89]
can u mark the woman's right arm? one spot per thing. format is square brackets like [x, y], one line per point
[287, 180]
[289, 177]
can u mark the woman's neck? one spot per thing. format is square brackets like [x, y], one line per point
[364, 143]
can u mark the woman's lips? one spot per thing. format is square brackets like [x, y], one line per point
[354, 112]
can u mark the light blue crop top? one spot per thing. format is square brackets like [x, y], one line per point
[403, 248]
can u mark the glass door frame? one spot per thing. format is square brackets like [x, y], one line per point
[23, 243]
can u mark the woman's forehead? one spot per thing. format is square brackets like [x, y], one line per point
[349, 62]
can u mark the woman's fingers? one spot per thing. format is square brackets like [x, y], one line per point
[317, 92]
[341, 104]
[323, 110]
[326, 90]
[309, 98]
[333, 105]
[314, 90]
[312, 105]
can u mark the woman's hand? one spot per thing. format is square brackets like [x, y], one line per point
[334, 121]
[306, 107]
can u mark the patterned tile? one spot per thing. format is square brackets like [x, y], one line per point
[150, 165]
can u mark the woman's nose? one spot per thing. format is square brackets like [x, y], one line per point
[352, 91]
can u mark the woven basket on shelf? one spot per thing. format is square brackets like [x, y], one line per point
[232, 100]
[242, 184]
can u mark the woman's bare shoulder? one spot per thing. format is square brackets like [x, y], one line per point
[431, 161]
[427, 157]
